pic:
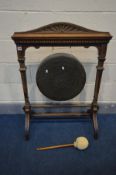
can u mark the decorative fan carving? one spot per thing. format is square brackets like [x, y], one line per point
[61, 27]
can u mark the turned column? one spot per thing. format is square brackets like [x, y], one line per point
[27, 108]
[100, 67]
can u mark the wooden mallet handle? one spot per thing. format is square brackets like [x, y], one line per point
[53, 147]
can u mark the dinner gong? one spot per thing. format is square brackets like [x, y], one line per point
[60, 76]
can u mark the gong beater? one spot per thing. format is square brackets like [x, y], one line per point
[60, 77]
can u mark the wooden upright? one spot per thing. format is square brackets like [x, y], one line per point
[61, 34]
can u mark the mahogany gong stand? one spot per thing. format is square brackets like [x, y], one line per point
[61, 34]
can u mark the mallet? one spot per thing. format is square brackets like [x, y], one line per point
[81, 143]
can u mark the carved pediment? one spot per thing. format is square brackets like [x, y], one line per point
[61, 27]
[61, 33]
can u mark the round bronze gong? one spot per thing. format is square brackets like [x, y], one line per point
[60, 77]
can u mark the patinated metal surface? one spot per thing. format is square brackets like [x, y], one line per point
[60, 77]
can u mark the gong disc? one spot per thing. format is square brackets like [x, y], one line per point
[60, 77]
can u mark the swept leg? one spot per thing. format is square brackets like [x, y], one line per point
[27, 110]
[95, 124]
[27, 124]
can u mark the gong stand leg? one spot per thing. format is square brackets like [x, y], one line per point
[94, 107]
[27, 120]
[27, 107]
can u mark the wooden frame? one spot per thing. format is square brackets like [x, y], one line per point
[61, 34]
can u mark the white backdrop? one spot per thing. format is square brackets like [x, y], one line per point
[25, 15]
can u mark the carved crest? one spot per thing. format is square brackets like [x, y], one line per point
[61, 27]
[51, 34]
